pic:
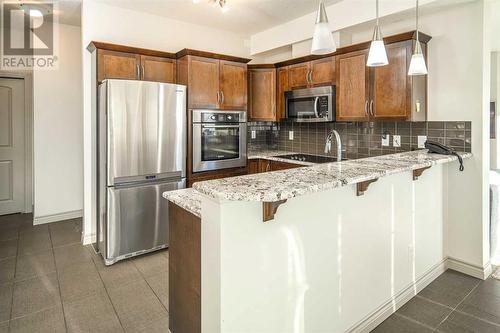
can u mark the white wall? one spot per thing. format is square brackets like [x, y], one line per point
[122, 26]
[328, 260]
[58, 133]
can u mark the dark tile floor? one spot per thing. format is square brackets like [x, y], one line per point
[49, 282]
[453, 303]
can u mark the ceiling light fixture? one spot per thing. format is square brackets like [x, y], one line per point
[417, 63]
[377, 56]
[222, 3]
[196, 1]
[35, 13]
[322, 42]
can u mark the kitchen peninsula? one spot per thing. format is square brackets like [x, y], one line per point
[324, 248]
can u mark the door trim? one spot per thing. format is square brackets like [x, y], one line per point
[28, 133]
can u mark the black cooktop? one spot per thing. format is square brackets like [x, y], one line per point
[310, 158]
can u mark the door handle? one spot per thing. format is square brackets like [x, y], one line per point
[143, 72]
[218, 97]
[371, 107]
[138, 72]
[222, 97]
[311, 76]
[366, 107]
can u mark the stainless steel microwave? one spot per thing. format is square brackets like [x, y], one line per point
[311, 105]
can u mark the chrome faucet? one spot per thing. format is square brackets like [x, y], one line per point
[328, 144]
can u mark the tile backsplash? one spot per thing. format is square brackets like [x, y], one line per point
[359, 139]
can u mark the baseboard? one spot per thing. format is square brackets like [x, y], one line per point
[89, 239]
[463, 267]
[58, 217]
[390, 306]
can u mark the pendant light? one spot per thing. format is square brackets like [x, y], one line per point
[322, 42]
[417, 63]
[377, 56]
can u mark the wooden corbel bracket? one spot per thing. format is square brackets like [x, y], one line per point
[269, 209]
[418, 172]
[363, 186]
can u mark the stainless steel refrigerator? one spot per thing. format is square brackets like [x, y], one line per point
[141, 148]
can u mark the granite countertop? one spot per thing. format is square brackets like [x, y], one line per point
[285, 184]
[187, 198]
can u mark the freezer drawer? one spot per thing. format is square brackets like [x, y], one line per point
[136, 219]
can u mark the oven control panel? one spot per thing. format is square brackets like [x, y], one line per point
[215, 116]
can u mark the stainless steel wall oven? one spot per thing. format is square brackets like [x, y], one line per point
[219, 139]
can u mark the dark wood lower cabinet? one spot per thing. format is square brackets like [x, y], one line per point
[259, 165]
[184, 278]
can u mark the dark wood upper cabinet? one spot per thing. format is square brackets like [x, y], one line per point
[213, 83]
[315, 73]
[380, 93]
[262, 94]
[298, 76]
[158, 69]
[282, 85]
[352, 87]
[233, 85]
[322, 72]
[203, 82]
[118, 65]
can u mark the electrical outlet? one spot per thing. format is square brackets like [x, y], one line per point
[254, 135]
[290, 135]
[396, 140]
[385, 140]
[421, 141]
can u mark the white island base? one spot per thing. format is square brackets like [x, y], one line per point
[330, 261]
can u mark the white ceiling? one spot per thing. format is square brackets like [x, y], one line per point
[244, 17]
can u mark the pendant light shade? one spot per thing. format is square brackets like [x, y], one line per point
[377, 56]
[417, 63]
[323, 42]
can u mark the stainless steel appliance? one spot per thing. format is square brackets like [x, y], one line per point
[311, 105]
[219, 139]
[141, 154]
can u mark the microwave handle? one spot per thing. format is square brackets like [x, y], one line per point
[316, 100]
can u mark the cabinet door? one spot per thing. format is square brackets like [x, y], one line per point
[282, 86]
[233, 85]
[253, 166]
[391, 98]
[264, 166]
[203, 83]
[298, 76]
[158, 69]
[275, 166]
[117, 65]
[262, 87]
[352, 87]
[322, 72]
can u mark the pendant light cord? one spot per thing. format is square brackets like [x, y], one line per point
[417, 21]
[376, 3]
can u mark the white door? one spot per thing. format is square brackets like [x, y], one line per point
[12, 146]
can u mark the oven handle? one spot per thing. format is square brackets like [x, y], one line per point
[220, 126]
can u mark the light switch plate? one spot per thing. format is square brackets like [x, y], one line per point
[396, 140]
[421, 141]
[290, 135]
[385, 140]
[254, 135]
